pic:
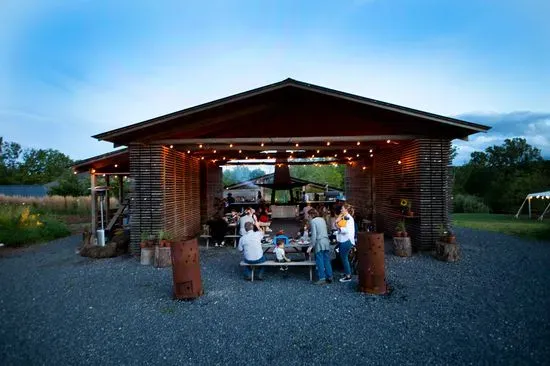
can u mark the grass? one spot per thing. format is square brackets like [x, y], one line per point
[22, 225]
[507, 224]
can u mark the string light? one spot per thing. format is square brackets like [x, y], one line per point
[371, 155]
[364, 167]
[370, 150]
[318, 151]
[230, 145]
[75, 172]
[200, 146]
[345, 151]
[246, 157]
[328, 143]
[269, 157]
[335, 155]
[240, 151]
[399, 162]
[358, 143]
[388, 141]
[171, 146]
[223, 158]
[116, 165]
[215, 151]
[262, 144]
[93, 171]
[103, 174]
[357, 155]
[202, 157]
[189, 151]
[297, 144]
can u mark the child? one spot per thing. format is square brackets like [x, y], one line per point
[280, 254]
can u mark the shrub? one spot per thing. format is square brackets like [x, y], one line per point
[464, 203]
[20, 225]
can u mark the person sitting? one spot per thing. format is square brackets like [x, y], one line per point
[218, 228]
[280, 254]
[306, 210]
[251, 246]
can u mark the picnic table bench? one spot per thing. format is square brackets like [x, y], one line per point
[309, 264]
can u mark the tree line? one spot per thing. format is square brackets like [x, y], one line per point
[498, 179]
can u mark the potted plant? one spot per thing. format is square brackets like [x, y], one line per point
[450, 237]
[147, 250]
[165, 239]
[402, 242]
[162, 251]
[409, 209]
[442, 233]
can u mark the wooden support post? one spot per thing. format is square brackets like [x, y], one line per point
[93, 203]
[120, 189]
[529, 202]
[107, 196]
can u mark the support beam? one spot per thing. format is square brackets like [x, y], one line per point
[268, 140]
[120, 189]
[107, 198]
[93, 203]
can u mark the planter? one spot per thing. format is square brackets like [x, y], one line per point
[446, 251]
[402, 246]
[147, 255]
[162, 257]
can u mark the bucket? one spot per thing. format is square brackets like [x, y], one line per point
[147, 255]
[100, 237]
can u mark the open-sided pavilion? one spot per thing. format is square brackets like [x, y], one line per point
[391, 153]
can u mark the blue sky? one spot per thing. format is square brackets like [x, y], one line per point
[70, 69]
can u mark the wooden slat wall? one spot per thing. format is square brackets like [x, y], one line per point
[214, 187]
[145, 192]
[164, 193]
[422, 178]
[357, 185]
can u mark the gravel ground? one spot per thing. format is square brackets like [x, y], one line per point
[490, 308]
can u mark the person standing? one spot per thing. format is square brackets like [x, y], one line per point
[251, 246]
[321, 244]
[346, 238]
[247, 217]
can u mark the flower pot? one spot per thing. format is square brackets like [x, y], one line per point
[147, 256]
[451, 239]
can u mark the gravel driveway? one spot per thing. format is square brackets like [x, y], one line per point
[493, 307]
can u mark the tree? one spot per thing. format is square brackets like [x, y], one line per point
[43, 166]
[240, 174]
[70, 185]
[326, 174]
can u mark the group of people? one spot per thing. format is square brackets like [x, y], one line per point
[343, 229]
[219, 224]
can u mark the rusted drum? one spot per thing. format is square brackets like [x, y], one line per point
[370, 266]
[186, 269]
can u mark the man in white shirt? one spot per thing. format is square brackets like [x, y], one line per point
[247, 217]
[251, 246]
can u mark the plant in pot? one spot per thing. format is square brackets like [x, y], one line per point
[442, 231]
[409, 209]
[401, 229]
[450, 237]
[147, 250]
[165, 239]
[146, 240]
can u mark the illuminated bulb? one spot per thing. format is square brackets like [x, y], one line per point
[230, 145]
[370, 150]
[75, 172]
[364, 167]
[335, 155]
[116, 165]
[116, 176]
[357, 155]
[262, 144]
[269, 157]
[223, 158]
[246, 157]
[312, 156]
[171, 146]
[399, 162]
[103, 174]
[345, 151]
[297, 144]
[214, 151]
[93, 171]
[358, 143]
[371, 155]
[240, 151]
[189, 151]
[388, 141]
[200, 146]
[317, 151]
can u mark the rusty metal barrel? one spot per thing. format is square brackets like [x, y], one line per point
[370, 266]
[186, 269]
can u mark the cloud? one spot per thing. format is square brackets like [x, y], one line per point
[533, 126]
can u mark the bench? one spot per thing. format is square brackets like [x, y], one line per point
[207, 237]
[234, 238]
[309, 264]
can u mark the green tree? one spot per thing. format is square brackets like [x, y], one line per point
[326, 174]
[240, 174]
[70, 185]
[41, 166]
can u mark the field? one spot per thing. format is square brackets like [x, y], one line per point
[507, 224]
[29, 220]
